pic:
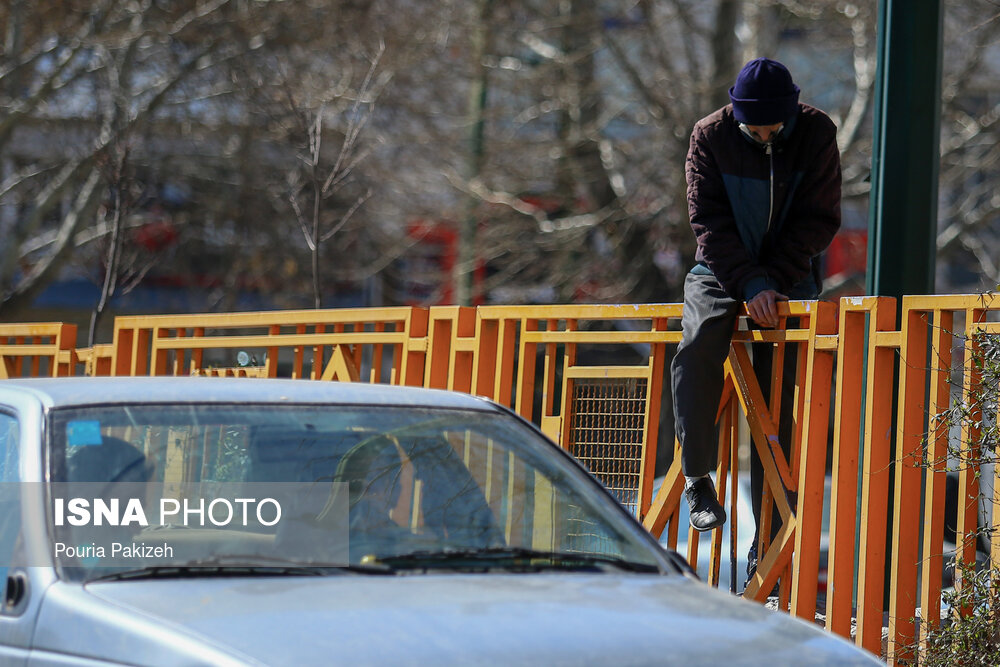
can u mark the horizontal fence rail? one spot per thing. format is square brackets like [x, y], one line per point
[856, 454]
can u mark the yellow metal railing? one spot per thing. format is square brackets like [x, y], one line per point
[37, 350]
[543, 362]
[793, 485]
[386, 344]
[933, 331]
[867, 394]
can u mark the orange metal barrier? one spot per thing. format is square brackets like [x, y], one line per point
[862, 437]
[374, 344]
[793, 485]
[933, 331]
[890, 460]
[96, 360]
[491, 351]
[551, 365]
[868, 393]
[37, 350]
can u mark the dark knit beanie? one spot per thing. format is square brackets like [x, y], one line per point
[764, 93]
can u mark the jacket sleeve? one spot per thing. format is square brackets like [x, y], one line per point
[814, 218]
[714, 225]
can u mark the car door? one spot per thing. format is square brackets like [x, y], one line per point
[15, 628]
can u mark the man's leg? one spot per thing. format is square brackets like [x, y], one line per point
[696, 379]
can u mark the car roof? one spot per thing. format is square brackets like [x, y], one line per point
[82, 391]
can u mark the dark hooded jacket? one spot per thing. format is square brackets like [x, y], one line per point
[763, 215]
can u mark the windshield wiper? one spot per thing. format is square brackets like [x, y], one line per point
[240, 566]
[512, 558]
[196, 571]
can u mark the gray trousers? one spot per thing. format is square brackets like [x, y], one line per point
[697, 379]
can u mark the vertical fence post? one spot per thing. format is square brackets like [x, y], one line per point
[812, 462]
[970, 454]
[906, 493]
[526, 370]
[844, 492]
[414, 350]
[935, 476]
[654, 395]
[876, 458]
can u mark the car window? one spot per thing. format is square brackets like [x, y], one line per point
[362, 483]
[10, 504]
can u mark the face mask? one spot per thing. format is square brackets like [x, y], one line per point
[745, 129]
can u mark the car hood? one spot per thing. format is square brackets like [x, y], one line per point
[517, 619]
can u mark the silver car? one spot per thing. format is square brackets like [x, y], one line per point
[186, 521]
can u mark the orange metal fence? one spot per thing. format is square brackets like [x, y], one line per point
[566, 367]
[37, 350]
[794, 484]
[939, 364]
[868, 392]
[374, 344]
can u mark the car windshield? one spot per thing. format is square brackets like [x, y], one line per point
[349, 487]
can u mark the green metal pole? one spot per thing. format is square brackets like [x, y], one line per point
[905, 149]
[902, 224]
[465, 263]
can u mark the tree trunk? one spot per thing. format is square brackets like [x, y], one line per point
[111, 271]
[317, 197]
[724, 63]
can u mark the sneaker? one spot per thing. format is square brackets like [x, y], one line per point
[752, 570]
[706, 513]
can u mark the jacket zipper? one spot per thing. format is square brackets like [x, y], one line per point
[770, 204]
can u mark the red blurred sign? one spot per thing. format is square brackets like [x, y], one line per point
[428, 267]
[848, 254]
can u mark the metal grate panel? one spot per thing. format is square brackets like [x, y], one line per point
[608, 421]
